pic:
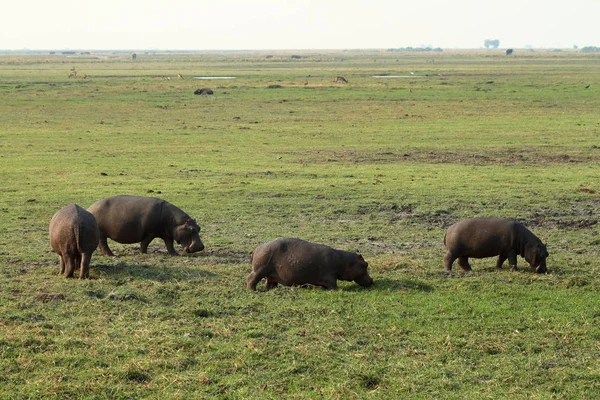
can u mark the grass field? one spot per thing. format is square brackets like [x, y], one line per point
[379, 165]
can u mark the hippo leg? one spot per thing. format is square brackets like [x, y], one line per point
[61, 265]
[84, 269]
[103, 244]
[464, 263]
[512, 260]
[253, 279]
[270, 284]
[170, 248]
[448, 260]
[70, 263]
[329, 283]
[144, 245]
[501, 259]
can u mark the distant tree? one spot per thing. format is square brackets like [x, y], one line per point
[590, 49]
[491, 43]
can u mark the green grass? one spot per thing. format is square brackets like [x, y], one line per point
[383, 166]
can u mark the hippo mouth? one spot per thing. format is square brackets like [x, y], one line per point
[364, 281]
[541, 268]
[193, 249]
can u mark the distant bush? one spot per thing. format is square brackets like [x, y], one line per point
[590, 49]
[414, 49]
[275, 86]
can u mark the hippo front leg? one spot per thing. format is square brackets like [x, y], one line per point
[170, 248]
[270, 283]
[329, 283]
[512, 260]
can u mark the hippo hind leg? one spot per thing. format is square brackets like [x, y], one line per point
[464, 263]
[252, 280]
[144, 245]
[449, 260]
[103, 244]
[84, 269]
[61, 264]
[70, 264]
[256, 276]
[500, 261]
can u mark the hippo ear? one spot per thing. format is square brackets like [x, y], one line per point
[360, 257]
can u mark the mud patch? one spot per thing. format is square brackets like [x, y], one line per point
[486, 157]
[406, 212]
[580, 216]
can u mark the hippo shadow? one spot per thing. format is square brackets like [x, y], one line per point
[140, 271]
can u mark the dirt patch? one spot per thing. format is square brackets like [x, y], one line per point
[406, 212]
[487, 157]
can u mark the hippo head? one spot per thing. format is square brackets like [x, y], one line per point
[535, 255]
[355, 269]
[187, 235]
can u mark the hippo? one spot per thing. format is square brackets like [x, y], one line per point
[489, 237]
[139, 219]
[74, 237]
[203, 91]
[292, 261]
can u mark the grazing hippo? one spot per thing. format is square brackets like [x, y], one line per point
[297, 262]
[74, 237]
[203, 91]
[489, 237]
[135, 219]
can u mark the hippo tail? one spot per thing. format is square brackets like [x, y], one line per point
[444, 239]
[77, 229]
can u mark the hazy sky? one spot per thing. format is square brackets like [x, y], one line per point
[295, 24]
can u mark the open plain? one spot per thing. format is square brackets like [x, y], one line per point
[382, 164]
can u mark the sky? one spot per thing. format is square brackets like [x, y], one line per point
[295, 24]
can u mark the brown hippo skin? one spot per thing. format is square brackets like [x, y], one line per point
[297, 262]
[74, 237]
[138, 219]
[489, 237]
